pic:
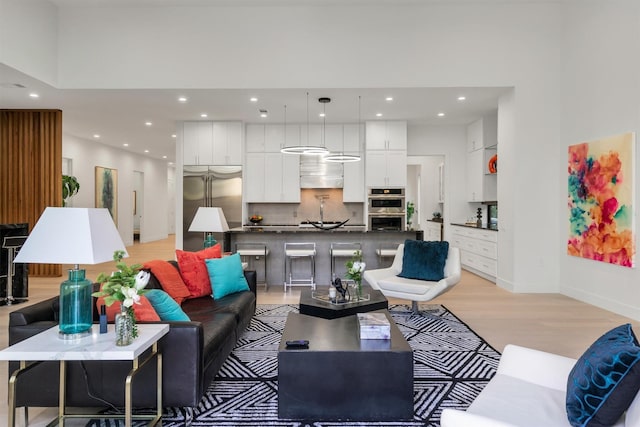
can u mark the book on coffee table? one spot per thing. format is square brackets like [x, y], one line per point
[374, 326]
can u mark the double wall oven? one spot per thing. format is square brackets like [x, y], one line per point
[386, 207]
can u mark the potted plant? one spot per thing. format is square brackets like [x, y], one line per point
[410, 210]
[70, 187]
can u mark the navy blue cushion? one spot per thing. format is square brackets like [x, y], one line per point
[424, 260]
[605, 380]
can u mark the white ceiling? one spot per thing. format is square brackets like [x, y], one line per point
[119, 115]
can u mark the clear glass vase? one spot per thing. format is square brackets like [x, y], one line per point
[124, 326]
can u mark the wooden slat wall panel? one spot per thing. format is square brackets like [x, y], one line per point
[30, 169]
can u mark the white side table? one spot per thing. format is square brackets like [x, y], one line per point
[46, 346]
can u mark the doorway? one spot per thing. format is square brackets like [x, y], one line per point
[137, 204]
[425, 188]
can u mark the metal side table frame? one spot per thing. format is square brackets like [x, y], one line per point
[96, 347]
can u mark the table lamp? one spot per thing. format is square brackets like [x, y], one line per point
[209, 220]
[73, 236]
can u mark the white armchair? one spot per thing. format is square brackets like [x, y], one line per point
[528, 390]
[387, 281]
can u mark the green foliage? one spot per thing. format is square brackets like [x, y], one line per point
[70, 187]
[411, 208]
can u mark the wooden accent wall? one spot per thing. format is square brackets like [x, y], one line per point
[30, 169]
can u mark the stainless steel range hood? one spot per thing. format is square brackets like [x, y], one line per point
[316, 173]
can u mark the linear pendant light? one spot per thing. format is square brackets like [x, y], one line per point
[314, 150]
[342, 157]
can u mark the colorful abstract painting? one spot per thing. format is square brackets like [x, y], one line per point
[601, 189]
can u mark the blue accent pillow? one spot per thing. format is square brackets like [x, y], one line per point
[226, 275]
[424, 260]
[605, 380]
[166, 307]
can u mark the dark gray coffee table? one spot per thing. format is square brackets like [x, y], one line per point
[326, 310]
[340, 377]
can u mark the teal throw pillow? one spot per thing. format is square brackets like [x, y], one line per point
[226, 275]
[605, 380]
[166, 307]
[424, 260]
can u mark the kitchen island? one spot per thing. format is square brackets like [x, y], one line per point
[275, 236]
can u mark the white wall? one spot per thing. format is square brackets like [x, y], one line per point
[86, 155]
[601, 93]
[30, 26]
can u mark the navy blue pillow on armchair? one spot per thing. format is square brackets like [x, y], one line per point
[605, 380]
[424, 260]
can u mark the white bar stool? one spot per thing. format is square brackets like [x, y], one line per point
[342, 250]
[257, 250]
[298, 251]
[386, 251]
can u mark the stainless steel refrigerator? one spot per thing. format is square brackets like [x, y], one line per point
[210, 186]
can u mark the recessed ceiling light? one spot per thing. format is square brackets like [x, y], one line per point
[378, 114]
[182, 99]
[203, 115]
[34, 95]
[125, 144]
[440, 114]
[148, 123]
[389, 98]
[462, 98]
[96, 136]
[146, 151]
[253, 99]
[173, 135]
[164, 157]
[263, 113]
[322, 115]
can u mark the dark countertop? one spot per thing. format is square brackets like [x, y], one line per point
[474, 226]
[297, 229]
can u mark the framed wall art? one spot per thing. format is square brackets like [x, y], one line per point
[107, 191]
[601, 199]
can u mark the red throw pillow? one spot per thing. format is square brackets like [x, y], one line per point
[194, 271]
[169, 279]
[144, 311]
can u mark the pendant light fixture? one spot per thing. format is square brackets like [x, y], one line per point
[342, 157]
[304, 149]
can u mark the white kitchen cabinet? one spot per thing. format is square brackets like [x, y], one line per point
[433, 231]
[273, 138]
[386, 168]
[254, 182]
[255, 138]
[311, 135]
[386, 135]
[272, 177]
[333, 137]
[353, 138]
[482, 133]
[197, 143]
[227, 143]
[212, 143]
[353, 189]
[478, 250]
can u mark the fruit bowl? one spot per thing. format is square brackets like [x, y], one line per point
[255, 219]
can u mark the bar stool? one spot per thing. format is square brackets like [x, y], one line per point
[298, 251]
[386, 250]
[254, 249]
[342, 250]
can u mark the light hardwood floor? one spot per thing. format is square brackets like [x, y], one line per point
[549, 322]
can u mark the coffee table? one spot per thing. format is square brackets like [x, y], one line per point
[315, 307]
[340, 377]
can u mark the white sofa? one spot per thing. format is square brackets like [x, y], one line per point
[528, 390]
[387, 281]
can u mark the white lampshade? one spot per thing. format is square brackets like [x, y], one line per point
[72, 236]
[209, 220]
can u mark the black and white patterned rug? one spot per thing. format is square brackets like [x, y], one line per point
[452, 364]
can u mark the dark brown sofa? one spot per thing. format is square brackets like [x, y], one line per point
[193, 352]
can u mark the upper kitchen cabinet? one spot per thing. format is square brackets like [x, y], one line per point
[227, 143]
[483, 133]
[255, 138]
[212, 143]
[271, 178]
[386, 148]
[386, 168]
[391, 135]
